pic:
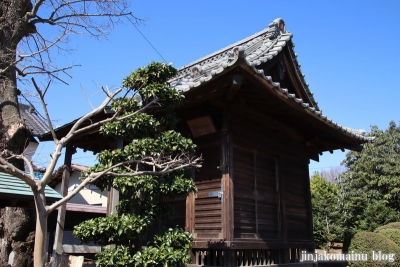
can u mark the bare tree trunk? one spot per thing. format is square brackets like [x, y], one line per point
[17, 235]
[13, 27]
[11, 121]
[14, 233]
[39, 256]
[5, 242]
[17, 21]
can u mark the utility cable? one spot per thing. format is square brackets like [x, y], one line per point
[150, 43]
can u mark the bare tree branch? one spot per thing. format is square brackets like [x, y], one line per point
[7, 167]
[35, 9]
[174, 165]
[44, 106]
[87, 98]
[114, 117]
[25, 51]
[23, 57]
[95, 17]
[75, 129]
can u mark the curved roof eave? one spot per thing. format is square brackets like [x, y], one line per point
[358, 134]
[254, 51]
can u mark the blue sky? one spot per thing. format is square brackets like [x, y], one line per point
[348, 50]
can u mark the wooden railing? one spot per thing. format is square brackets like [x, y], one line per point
[244, 257]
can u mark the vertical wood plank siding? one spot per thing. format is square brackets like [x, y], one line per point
[271, 199]
[296, 201]
[267, 197]
[255, 198]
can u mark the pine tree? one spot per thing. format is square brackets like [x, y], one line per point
[369, 189]
[327, 226]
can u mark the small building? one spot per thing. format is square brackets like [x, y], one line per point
[89, 203]
[90, 195]
[257, 125]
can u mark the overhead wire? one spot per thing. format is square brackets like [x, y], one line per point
[155, 49]
[150, 43]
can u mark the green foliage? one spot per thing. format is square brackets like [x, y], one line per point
[393, 225]
[167, 249]
[117, 228]
[156, 72]
[326, 217]
[369, 189]
[169, 142]
[125, 105]
[392, 234]
[151, 83]
[367, 242]
[137, 126]
[375, 214]
[148, 172]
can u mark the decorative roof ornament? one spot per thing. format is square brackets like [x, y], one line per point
[278, 26]
[255, 50]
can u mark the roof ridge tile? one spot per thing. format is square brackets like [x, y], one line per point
[254, 50]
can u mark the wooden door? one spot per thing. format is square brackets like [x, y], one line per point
[256, 202]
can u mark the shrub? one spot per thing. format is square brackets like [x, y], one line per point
[392, 234]
[373, 243]
[393, 225]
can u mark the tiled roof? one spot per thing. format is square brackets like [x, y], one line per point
[33, 120]
[254, 51]
[11, 186]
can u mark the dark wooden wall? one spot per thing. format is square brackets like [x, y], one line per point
[271, 189]
[255, 194]
[296, 200]
[207, 209]
[262, 170]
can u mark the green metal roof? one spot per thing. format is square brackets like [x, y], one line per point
[14, 190]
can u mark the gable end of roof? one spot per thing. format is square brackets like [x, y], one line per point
[254, 51]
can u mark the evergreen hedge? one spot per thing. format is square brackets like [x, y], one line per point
[370, 244]
[393, 225]
[392, 234]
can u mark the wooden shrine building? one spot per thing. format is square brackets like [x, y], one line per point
[254, 119]
[257, 125]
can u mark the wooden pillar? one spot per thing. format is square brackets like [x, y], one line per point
[113, 194]
[255, 193]
[227, 182]
[57, 247]
[308, 199]
[189, 219]
[190, 206]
